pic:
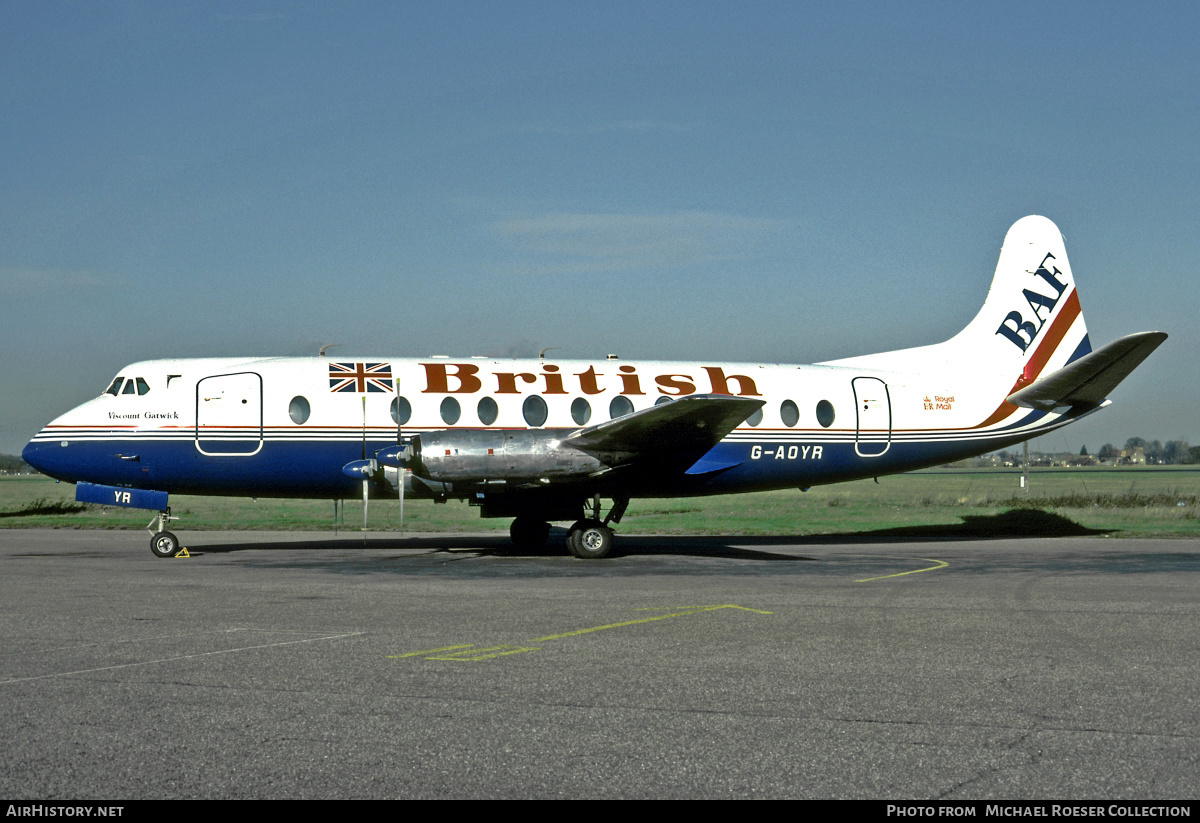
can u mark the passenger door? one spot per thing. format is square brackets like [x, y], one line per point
[229, 414]
[873, 435]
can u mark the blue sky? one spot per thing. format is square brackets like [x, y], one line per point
[755, 181]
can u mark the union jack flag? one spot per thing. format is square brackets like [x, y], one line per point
[360, 377]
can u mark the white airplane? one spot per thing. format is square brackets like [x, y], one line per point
[547, 440]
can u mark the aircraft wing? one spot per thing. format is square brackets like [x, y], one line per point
[678, 433]
[1088, 380]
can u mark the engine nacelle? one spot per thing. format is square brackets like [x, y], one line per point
[510, 456]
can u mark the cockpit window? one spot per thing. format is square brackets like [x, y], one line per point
[134, 385]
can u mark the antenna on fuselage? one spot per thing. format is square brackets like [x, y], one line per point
[542, 353]
[321, 353]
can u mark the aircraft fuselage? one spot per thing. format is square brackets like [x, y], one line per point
[284, 427]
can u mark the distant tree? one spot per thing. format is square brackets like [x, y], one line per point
[1194, 454]
[1135, 443]
[12, 464]
[1176, 451]
[1108, 452]
[1083, 452]
[1154, 452]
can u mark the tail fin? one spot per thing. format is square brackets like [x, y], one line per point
[1029, 340]
[1031, 322]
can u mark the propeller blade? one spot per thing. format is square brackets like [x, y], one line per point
[400, 465]
[369, 470]
[365, 493]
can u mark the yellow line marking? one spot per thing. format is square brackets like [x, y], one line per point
[941, 564]
[180, 657]
[707, 608]
[432, 651]
[468, 652]
[479, 654]
[691, 610]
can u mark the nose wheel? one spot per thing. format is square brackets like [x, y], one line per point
[162, 542]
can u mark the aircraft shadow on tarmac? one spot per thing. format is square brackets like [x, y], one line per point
[1007, 524]
[45, 507]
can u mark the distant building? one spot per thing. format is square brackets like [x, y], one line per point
[1132, 457]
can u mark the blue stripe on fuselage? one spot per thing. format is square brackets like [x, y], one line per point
[280, 469]
[313, 468]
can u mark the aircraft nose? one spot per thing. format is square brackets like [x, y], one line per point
[50, 458]
[33, 454]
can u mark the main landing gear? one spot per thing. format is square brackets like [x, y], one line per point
[529, 534]
[162, 542]
[588, 539]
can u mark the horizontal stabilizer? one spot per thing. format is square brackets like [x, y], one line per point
[688, 426]
[1088, 380]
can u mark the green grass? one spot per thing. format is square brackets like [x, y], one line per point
[1135, 502]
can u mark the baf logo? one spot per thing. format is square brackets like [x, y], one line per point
[1021, 331]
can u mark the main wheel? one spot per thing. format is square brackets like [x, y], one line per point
[590, 540]
[164, 544]
[528, 533]
[573, 536]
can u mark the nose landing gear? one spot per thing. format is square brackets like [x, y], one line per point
[162, 542]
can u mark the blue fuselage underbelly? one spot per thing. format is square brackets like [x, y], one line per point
[312, 469]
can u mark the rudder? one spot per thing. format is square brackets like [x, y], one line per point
[1031, 321]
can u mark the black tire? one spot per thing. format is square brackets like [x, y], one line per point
[529, 534]
[573, 535]
[164, 544]
[590, 540]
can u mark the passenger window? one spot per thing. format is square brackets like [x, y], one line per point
[487, 411]
[581, 411]
[401, 411]
[299, 410]
[450, 411]
[663, 399]
[115, 386]
[534, 409]
[619, 407]
[825, 414]
[789, 413]
[142, 386]
[755, 418]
